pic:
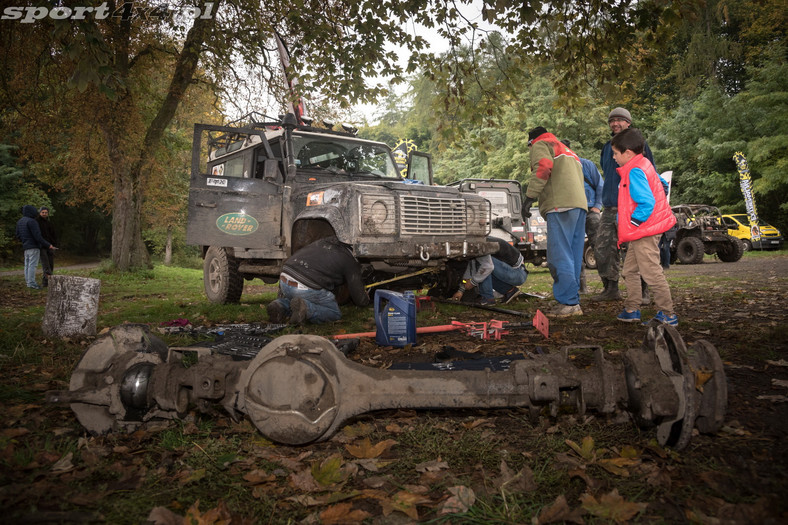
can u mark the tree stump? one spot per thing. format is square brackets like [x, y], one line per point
[72, 306]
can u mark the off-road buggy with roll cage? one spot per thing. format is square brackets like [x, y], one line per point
[262, 188]
[701, 229]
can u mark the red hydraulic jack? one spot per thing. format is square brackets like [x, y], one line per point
[492, 330]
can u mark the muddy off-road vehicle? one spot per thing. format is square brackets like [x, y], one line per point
[701, 229]
[505, 195]
[270, 188]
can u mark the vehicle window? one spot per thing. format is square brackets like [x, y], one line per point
[344, 156]
[233, 167]
[499, 201]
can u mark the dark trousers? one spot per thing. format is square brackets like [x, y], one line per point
[47, 263]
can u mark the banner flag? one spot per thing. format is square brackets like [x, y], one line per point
[746, 188]
[401, 151]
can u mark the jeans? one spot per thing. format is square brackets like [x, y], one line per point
[502, 278]
[31, 263]
[565, 238]
[321, 305]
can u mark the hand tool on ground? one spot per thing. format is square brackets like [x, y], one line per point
[300, 388]
[474, 305]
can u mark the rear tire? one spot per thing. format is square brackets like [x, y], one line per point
[222, 282]
[690, 250]
[731, 251]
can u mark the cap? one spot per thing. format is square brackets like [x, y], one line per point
[566, 142]
[620, 113]
[43, 208]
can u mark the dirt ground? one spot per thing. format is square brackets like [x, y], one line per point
[745, 317]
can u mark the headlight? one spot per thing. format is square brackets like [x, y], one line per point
[378, 214]
[478, 217]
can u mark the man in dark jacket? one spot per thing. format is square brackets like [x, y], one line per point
[608, 262]
[48, 233]
[29, 233]
[508, 272]
[309, 279]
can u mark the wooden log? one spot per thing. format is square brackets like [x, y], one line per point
[72, 306]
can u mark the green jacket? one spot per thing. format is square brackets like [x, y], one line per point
[557, 176]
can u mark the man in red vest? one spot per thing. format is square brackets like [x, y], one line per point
[643, 216]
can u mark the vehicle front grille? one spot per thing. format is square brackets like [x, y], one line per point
[431, 215]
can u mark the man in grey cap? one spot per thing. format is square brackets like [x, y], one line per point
[608, 262]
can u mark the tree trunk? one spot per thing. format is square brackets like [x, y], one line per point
[168, 247]
[72, 306]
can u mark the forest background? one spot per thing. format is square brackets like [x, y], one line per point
[97, 114]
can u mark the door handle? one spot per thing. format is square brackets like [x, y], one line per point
[206, 204]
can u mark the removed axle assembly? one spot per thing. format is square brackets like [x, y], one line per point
[300, 388]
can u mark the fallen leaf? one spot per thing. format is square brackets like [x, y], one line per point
[164, 516]
[431, 466]
[405, 502]
[559, 511]
[303, 480]
[612, 506]
[461, 500]
[258, 476]
[516, 482]
[63, 464]
[702, 377]
[190, 476]
[586, 451]
[329, 471]
[366, 450]
[343, 513]
[618, 466]
[477, 422]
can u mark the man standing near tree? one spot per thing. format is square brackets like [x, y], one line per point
[608, 262]
[47, 254]
[557, 183]
[29, 233]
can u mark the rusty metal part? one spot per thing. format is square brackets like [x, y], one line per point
[300, 389]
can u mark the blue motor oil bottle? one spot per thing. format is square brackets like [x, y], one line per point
[395, 318]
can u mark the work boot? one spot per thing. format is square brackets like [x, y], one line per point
[610, 293]
[646, 296]
[277, 313]
[583, 287]
[299, 312]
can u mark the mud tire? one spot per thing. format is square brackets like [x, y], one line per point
[731, 251]
[690, 250]
[222, 282]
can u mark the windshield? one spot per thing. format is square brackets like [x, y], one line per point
[343, 156]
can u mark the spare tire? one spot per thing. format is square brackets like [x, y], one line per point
[690, 250]
[222, 282]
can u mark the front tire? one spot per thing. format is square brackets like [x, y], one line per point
[589, 257]
[690, 250]
[731, 251]
[221, 279]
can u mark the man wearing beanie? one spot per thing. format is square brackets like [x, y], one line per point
[47, 255]
[557, 183]
[608, 262]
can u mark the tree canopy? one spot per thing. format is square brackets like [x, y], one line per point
[100, 107]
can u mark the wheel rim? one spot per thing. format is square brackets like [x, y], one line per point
[214, 276]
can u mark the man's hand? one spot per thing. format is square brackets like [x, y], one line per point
[526, 209]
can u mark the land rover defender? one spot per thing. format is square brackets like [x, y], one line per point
[269, 188]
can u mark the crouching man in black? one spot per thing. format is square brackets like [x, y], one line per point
[308, 281]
